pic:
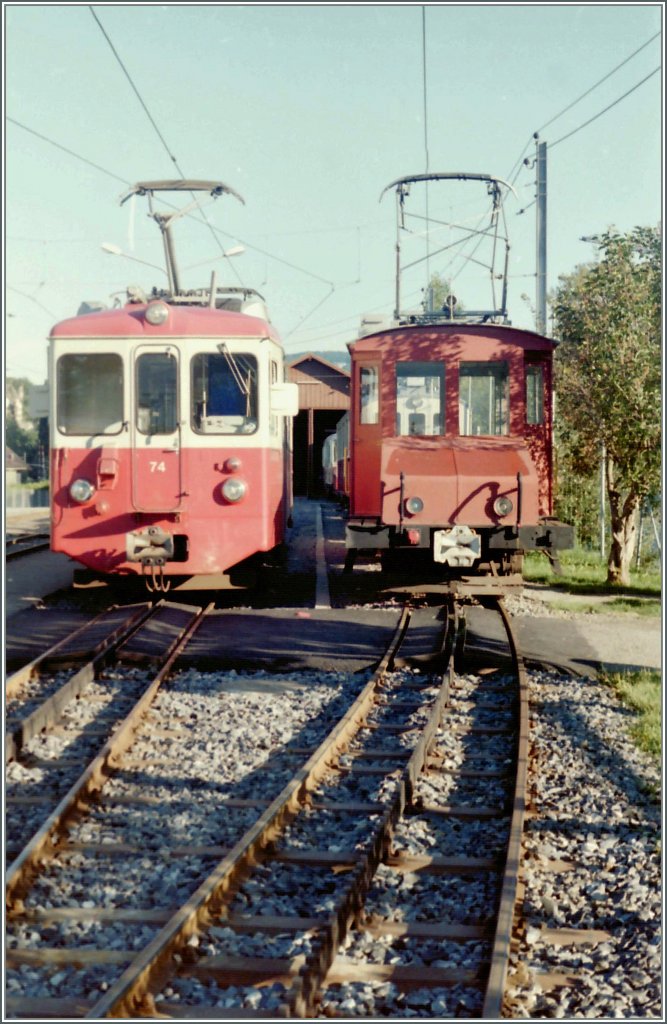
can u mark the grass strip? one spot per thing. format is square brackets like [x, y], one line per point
[642, 692]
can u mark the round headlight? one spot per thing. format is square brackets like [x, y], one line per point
[233, 464]
[81, 490]
[414, 505]
[234, 489]
[502, 506]
[157, 313]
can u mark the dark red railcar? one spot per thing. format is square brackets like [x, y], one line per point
[451, 443]
[451, 439]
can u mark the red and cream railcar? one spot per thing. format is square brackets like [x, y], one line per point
[169, 440]
[451, 444]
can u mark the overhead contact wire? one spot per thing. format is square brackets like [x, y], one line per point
[601, 112]
[159, 134]
[516, 167]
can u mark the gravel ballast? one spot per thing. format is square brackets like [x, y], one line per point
[593, 795]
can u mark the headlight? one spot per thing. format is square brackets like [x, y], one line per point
[234, 489]
[233, 464]
[414, 505]
[81, 490]
[503, 506]
[157, 313]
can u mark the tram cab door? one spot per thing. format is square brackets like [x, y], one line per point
[155, 430]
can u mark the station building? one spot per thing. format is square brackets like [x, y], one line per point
[324, 396]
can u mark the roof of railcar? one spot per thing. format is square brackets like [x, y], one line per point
[372, 341]
[184, 321]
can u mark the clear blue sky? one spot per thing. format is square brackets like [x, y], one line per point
[309, 111]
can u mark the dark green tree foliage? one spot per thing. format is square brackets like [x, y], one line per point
[25, 442]
[577, 499]
[607, 316]
[30, 441]
[441, 289]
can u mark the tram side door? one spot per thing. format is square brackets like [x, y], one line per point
[366, 467]
[155, 430]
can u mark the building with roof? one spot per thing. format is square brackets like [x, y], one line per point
[14, 467]
[324, 396]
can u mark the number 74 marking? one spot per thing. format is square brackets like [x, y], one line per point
[157, 467]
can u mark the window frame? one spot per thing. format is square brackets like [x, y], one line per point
[505, 398]
[255, 389]
[60, 420]
[535, 370]
[151, 354]
[421, 368]
[373, 396]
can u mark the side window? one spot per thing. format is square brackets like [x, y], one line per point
[534, 394]
[157, 374]
[90, 393]
[369, 410]
[224, 393]
[483, 399]
[420, 399]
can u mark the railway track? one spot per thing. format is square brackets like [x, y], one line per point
[316, 845]
[18, 545]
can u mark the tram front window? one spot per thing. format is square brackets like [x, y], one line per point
[90, 393]
[224, 393]
[420, 399]
[483, 399]
[156, 393]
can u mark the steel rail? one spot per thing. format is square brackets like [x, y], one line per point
[49, 711]
[495, 988]
[26, 544]
[312, 976]
[133, 992]
[38, 664]
[42, 846]
[317, 971]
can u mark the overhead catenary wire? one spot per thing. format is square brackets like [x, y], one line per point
[136, 91]
[599, 82]
[601, 112]
[313, 310]
[70, 152]
[516, 167]
[426, 153]
[31, 298]
[124, 181]
[159, 133]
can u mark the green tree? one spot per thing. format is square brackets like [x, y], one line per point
[24, 442]
[607, 315]
[440, 289]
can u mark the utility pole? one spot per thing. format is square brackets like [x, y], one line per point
[603, 492]
[541, 303]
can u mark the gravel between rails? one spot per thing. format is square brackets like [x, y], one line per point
[222, 729]
[595, 788]
[594, 793]
[39, 770]
[34, 692]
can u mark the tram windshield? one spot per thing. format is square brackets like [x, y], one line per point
[420, 399]
[156, 393]
[224, 393]
[90, 393]
[483, 399]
